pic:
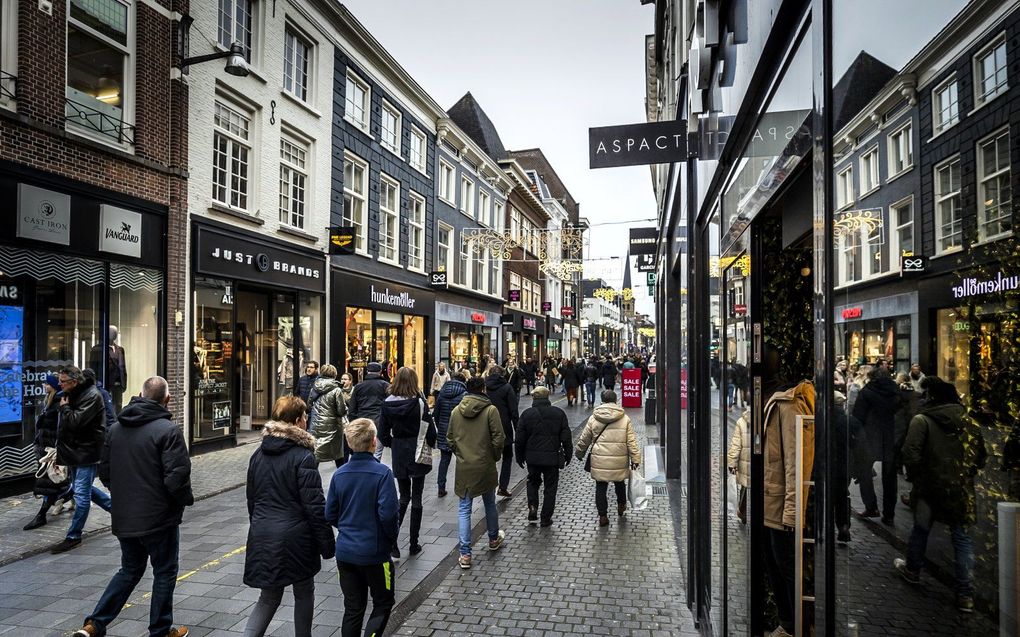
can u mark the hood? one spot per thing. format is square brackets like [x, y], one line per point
[452, 389]
[803, 394]
[325, 385]
[141, 411]
[472, 405]
[277, 437]
[401, 408]
[608, 412]
[885, 386]
[494, 382]
[948, 416]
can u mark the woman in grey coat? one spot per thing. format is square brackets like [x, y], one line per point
[328, 415]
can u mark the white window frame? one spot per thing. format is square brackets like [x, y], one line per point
[990, 50]
[234, 139]
[938, 124]
[845, 188]
[248, 44]
[390, 139]
[418, 160]
[1005, 208]
[416, 213]
[849, 248]
[350, 105]
[359, 220]
[870, 180]
[289, 170]
[447, 182]
[461, 266]
[515, 224]
[897, 223]
[8, 49]
[467, 197]
[497, 215]
[941, 198]
[900, 143]
[389, 241]
[484, 207]
[515, 284]
[299, 79]
[444, 264]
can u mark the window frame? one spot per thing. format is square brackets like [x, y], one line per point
[906, 130]
[467, 197]
[414, 198]
[986, 51]
[8, 50]
[940, 198]
[516, 286]
[419, 165]
[484, 205]
[293, 168]
[291, 31]
[394, 215]
[1006, 208]
[447, 247]
[845, 178]
[232, 138]
[391, 144]
[249, 46]
[897, 226]
[366, 101]
[939, 125]
[360, 228]
[447, 190]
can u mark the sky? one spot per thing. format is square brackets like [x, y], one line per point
[544, 71]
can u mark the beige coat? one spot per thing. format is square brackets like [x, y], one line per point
[616, 448]
[781, 413]
[738, 458]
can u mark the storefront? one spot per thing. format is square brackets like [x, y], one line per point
[554, 342]
[880, 328]
[381, 322]
[467, 334]
[82, 274]
[525, 335]
[257, 316]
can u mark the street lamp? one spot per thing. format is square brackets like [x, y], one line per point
[236, 64]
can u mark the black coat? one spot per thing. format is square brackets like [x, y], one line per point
[46, 436]
[609, 375]
[147, 469]
[529, 369]
[875, 409]
[399, 426]
[304, 386]
[81, 428]
[503, 397]
[572, 376]
[591, 373]
[288, 535]
[448, 398]
[543, 436]
[367, 399]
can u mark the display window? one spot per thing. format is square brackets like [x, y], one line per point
[212, 359]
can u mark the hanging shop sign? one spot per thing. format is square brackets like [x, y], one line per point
[120, 231]
[646, 263]
[477, 317]
[546, 306]
[230, 255]
[643, 241]
[529, 323]
[439, 280]
[506, 319]
[44, 215]
[515, 296]
[772, 135]
[341, 239]
[652, 279]
[566, 311]
[637, 144]
[852, 313]
[740, 309]
[913, 264]
[973, 286]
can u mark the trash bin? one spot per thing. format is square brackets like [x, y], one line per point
[650, 405]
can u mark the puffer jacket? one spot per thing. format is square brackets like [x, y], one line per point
[449, 397]
[328, 417]
[476, 438]
[616, 446]
[503, 397]
[81, 429]
[738, 456]
[609, 372]
[288, 535]
[781, 413]
[543, 435]
[399, 429]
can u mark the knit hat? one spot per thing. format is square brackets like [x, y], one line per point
[53, 381]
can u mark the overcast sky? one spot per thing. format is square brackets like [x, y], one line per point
[544, 71]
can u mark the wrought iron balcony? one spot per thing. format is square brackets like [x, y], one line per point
[8, 86]
[92, 118]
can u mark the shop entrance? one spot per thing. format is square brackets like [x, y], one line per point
[388, 341]
[265, 354]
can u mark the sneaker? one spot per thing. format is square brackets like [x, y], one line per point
[442, 493]
[180, 631]
[870, 513]
[546, 523]
[603, 520]
[532, 514]
[503, 493]
[965, 603]
[495, 545]
[65, 545]
[415, 549]
[464, 561]
[88, 630]
[908, 575]
[395, 552]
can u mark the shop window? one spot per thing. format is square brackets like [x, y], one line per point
[355, 198]
[311, 325]
[414, 345]
[389, 213]
[134, 321]
[995, 214]
[945, 106]
[416, 235]
[948, 213]
[358, 328]
[357, 99]
[418, 150]
[231, 151]
[953, 348]
[390, 125]
[296, 60]
[235, 24]
[212, 359]
[901, 151]
[293, 181]
[990, 71]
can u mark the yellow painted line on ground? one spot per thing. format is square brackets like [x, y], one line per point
[184, 576]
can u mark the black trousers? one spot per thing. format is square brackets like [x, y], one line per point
[779, 566]
[356, 582]
[537, 474]
[506, 467]
[411, 490]
[601, 498]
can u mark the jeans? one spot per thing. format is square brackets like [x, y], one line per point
[162, 549]
[464, 515]
[82, 477]
[602, 499]
[269, 601]
[411, 490]
[507, 467]
[356, 582]
[963, 547]
[378, 449]
[731, 394]
[444, 468]
[551, 477]
[589, 390]
[890, 482]
[779, 567]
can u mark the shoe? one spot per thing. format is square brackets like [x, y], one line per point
[442, 493]
[965, 603]
[464, 561]
[37, 521]
[57, 508]
[905, 499]
[908, 575]
[495, 545]
[88, 630]
[546, 523]
[780, 632]
[603, 520]
[621, 509]
[180, 631]
[887, 521]
[843, 535]
[503, 493]
[415, 549]
[395, 552]
[870, 513]
[532, 514]
[65, 545]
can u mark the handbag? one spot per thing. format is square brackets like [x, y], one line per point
[48, 467]
[587, 460]
[423, 451]
[637, 491]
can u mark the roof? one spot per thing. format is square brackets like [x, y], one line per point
[533, 159]
[862, 81]
[470, 117]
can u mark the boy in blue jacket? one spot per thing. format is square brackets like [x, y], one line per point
[362, 505]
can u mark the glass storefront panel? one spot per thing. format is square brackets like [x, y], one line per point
[358, 328]
[133, 330]
[310, 328]
[212, 359]
[414, 345]
[953, 354]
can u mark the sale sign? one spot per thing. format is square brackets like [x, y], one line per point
[631, 388]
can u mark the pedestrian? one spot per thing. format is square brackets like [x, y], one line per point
[146, 466]
[307, 380]
[46, 438]
[572, 379]
[328, 416]
[346, 387]
[288, 535]
[592, 373]
[449, 397]
[875, 409]
[111, 416]
[738, 461]
[367, 399]
[362, 505]
[405, 424]
[505, 401]
[544, 443]
[529, 368]
[839, 377]
[439, 379]
[916, 376]
[614, 453]
[476, 437]
[550, 371]
[81, 433]
[514, 376]
[943, 452]
[609, 372]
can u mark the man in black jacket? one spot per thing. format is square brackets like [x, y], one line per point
[81, 429]
[367, 399]
[307, 381]
[146, 466]
[505, 400]
[875, 409]
[544, 442]
[529, 368]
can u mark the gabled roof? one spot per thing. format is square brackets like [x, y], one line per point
[470, 117]
[535, 160]
[862, 81]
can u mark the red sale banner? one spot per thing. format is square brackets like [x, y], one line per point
[631, 388]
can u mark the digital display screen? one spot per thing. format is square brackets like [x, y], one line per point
[11, 350]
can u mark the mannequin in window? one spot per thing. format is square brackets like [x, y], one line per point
[116, 367]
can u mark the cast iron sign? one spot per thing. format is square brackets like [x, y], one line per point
[637, 144]
[341, 240]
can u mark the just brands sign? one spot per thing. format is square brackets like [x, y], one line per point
[402, 299]
[637, 144]
[999, 283]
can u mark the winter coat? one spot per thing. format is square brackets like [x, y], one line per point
[46, 436]
[362, 505]
[304, 386]
[572, 378]
[449, 397]
[111, 415]
[328, 416]
[909, 405]
[438, 380]
[516, 378]
[288, 535]
[476, 437]
[367, 399]
[609, 375]
[738, 456]
[543, 435]
[146, 466]
[943, 451]
[529, 369]
[399, 427]
[81, 428]
[616, 448]
[503, 397]
[875, 408]
[781, 411]
[592, 374]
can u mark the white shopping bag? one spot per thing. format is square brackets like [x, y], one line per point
[637, 492]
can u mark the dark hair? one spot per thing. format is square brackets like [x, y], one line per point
[939, 391]
[608, 396]
[458, 376]
[476, 385]
[878, 371]
[72, 372]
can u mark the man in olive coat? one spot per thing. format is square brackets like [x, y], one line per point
[476, 437]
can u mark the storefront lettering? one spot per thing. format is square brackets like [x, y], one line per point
[9, 292]
[399, 300]
[124, 234]
[477, 317]
[852, 312]
[972, 287]
[529, 323]
[262, 263]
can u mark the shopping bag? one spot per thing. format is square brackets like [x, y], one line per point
[637, 492]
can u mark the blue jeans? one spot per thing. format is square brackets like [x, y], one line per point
[491, 519]
[160, 547]
[444, 467]
[731, 394]
[82, 477]
[589, 389]
[962, 546]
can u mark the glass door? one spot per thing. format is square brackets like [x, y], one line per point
[388, 342]
[255, 355]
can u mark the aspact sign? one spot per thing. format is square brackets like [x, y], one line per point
[637, 144]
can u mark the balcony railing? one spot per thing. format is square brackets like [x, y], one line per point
[92, 118]
[8, 86]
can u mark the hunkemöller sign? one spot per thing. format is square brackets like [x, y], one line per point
[972, 286]
[399, 300]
